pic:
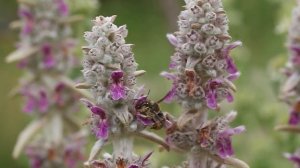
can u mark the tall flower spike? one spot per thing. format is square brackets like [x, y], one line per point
[120, 109]
[202, 73]
[290, 91]
[45, 53]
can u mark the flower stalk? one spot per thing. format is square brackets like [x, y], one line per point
[45, 53]
[290, 90]
[202, 74]
[120, 110]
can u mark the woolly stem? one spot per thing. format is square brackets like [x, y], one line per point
[123, 147]
[197, 160]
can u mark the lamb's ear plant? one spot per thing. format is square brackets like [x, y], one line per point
[45, 53]
[202, 72]
[120, 110]
[290, 90]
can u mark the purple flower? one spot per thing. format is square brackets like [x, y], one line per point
[22, 64]
[72, 155]
[30, 103]
[172, 39]
[234, 76]
[296, 55]
[36, 161]
[62, 7]
[101, 129]
[170, 96]
[211, 96]
[212, 93]
[117, 90]
[295, 158]
[231, 67]
[144, 119]
[29, 21]
[223, 142]
[295, 114]
[98, 111]
[48, 58]
[58, 94]
[33, 102]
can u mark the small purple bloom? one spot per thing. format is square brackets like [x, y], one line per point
[294, 118]
[35, 160]
[295, 157]
[30, 103]
[22, 64]
[233, 76]
[94, 109]
[223, 142]
[211, 100]
[58, 94]
[296, 55]
[172, 39]
[29, 21]
[98, 111]
[48, 58]
[211, 96]
[102, 130]
[229, 97]
[144, 120]
[62, 7]
[117, 90]
[231, 67]
[170, 96]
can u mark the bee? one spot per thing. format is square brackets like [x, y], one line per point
[150, 110]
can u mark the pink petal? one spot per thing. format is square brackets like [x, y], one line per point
[117, 75]
[172, 39]
[48, 58]
[231, 67]
[224, 147]
[233, 76]
[117, 91]
[168, 75]
[229, 97]
[170, 96]
[294, 118]
[231, 47]
[87, 103]
[62, 7]
[211, 100]
[29, 22]
[98, 111]
[102, 131]
[144, 120]
[30, 104]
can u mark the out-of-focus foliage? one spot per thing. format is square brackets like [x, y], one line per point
[255, 22]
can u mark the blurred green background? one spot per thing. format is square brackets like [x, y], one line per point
[261, 26]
